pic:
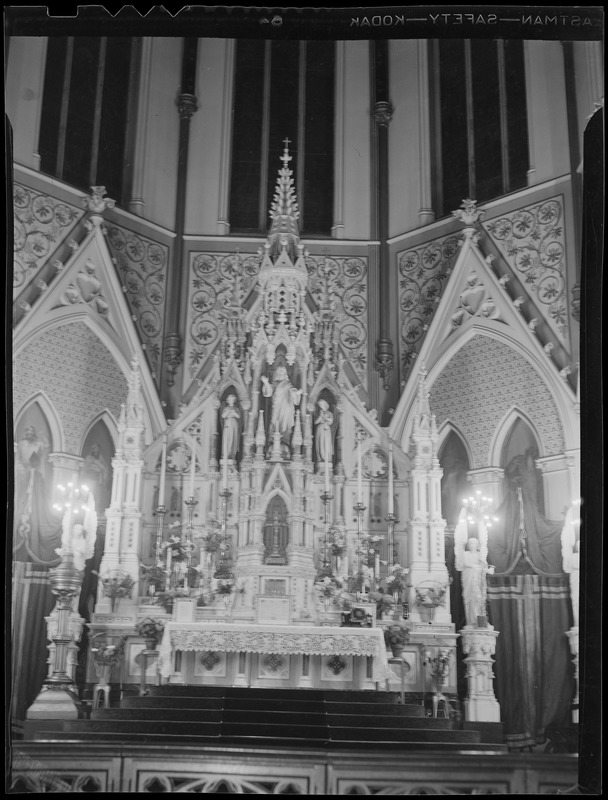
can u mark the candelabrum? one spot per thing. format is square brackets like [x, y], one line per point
[326, 571]
[160, 525]
[223, 570]
[359, 511]
[190, 503]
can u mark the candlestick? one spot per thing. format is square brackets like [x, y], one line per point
[359, 475]
[192, 468]
[163, 472]
[391, 507]
[225, 454]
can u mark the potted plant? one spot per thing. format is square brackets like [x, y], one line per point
[151, 630]
[166, 598]
[396, 636]
[117, 584]
[155, 577]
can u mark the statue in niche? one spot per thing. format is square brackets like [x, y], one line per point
[176, 499]
[37, 533]
[95, 474]
[231, 419]
[285, 398]
[275, 533]
[323, 433]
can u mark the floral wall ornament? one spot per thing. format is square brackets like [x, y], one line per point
[41, 224]
[345, 280]
[142, 267]
[532, 241]
[217, 281]
[423, 276]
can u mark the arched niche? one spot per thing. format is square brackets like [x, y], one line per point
[96, 470]
[230, 391]
[455, 463]
[276, 531]
[326, 395]
[521, 439]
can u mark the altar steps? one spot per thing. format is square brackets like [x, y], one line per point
[236, 717]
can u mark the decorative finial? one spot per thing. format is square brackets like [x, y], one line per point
[468, 212]
[96, 202]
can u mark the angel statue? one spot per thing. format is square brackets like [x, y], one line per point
[471, 560]
[571, 559]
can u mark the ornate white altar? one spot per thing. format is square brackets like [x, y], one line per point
[313, 641]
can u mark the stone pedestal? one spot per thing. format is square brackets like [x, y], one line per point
[572, 635]
[479, 645]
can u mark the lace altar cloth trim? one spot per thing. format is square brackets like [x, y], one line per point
[232, 638]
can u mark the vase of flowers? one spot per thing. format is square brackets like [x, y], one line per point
[167, 598]
[438, 667]
[105, 657]
[115, 585]
[430, 595]
[155, 577]
[396, 636]
[384, 603]
[151, 630]
[396, 581]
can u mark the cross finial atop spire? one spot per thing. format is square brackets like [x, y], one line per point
[286, 158]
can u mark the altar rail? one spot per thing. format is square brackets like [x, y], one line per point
[76, 767]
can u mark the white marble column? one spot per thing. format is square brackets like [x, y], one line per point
[479, 645]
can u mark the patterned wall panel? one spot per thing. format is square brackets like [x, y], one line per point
[215, 279]
[481, 383]
[142, 268]
[347, 281]
[78, 374]
[533, 242]
[41, 223]
[423, 275]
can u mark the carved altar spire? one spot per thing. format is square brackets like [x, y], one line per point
[284, 212]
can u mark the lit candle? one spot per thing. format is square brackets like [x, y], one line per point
[391, 506]
[163, 472]
[359, 474]
[225, 453]
[192, 468]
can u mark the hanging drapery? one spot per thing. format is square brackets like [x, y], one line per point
[529, 605]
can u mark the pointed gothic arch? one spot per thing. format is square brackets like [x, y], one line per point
[456, 461]
[503, 431]
[48, 412]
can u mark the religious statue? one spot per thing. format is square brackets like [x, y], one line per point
[571, 560]
[473, 567]
[231, 418]
[323, 434]
[37, 532]
[285, 398]
[95, 474]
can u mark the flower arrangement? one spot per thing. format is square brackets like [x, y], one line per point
[384, 602]
[431, 596]
[367, 548]
[154, 575]
[117, 584]
[396, 581]
[225, 586]
[396, 635]
[179, 551]
[150, 628]
[105, 654]
[329, 587]
[337, 541]
[438, 665]
[166, 598]
[212, 541]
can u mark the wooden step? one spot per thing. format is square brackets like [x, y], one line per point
[364, 709]
[160, 702]
[171, 740]
[348, 734]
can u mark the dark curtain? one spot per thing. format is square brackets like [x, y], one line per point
[529, 605]
[32, 602]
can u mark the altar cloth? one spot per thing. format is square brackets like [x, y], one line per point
[280, 639]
